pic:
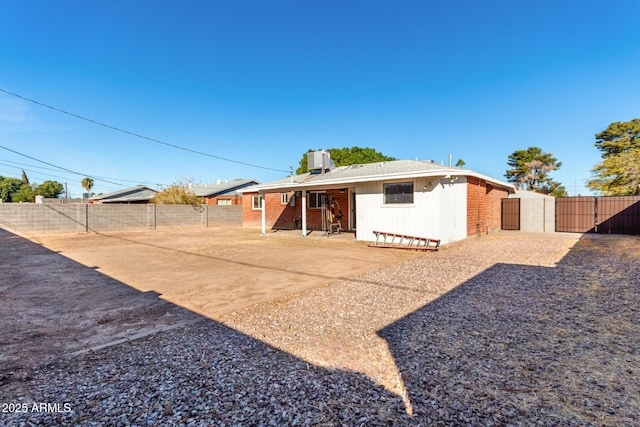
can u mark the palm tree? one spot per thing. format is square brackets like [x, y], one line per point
[87, 184]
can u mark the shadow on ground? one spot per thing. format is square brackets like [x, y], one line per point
[52, 306]
[201, 372]
[514, 345]
[521, 344]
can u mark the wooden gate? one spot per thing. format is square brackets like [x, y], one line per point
[510, 214]
[610, 214]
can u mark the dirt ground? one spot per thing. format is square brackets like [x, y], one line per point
[64, 294]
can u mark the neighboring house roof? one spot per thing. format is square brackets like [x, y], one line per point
[381, 171]
[129, 195]
[225, 188]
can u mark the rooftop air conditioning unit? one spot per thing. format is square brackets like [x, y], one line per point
[319, 161]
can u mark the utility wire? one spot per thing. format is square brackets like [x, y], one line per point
[60, 167]
[100, 177]
[31, 170]
[47, 176]
[178, 147]
[29, 166]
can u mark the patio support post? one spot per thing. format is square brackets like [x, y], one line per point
[262, 208]
[304, 213]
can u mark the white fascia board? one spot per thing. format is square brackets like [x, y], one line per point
[249, 189]
[342, 182]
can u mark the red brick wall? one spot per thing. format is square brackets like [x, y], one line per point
[494, 206]
[287, 217]
[483, 206]
[476, 206]
[314, 216]
[235, 200]
[275, 211]
[283, 217]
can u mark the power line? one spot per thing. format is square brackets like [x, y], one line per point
[31, 170]
[28, 165]
[60, 167]
[100, 177]
[137, 135]
[46, 176]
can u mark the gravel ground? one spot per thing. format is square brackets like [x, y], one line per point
[507, 329]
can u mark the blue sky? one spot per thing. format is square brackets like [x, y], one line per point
[262, 82]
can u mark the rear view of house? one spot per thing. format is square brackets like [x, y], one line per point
[411, 197]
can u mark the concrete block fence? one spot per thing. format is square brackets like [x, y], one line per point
[69, 218]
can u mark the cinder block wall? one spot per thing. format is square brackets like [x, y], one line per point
[119, 217]
[179, 215]
[538, 214]
[43, 219]
[224, 216]
[38, 219]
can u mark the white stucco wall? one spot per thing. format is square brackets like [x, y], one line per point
[438, 210]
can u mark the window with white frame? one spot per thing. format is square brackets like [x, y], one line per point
[223, 202]
[316, 200]
[398, 193]
[256, 202]
[284, 198]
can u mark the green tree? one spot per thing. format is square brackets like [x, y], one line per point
[8, 186]
[530, 171]
[16, 190]
[49, 189]
[87, 183]
[619, 172]
[347, 156]
[24, 194]
[25, 180]
[460, 163]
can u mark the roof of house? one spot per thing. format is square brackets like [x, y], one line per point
[229, 188]
[139, 193]
[381, 171]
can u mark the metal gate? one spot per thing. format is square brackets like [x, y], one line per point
[618, 215]
[610, 214]
[510, 214]
[576, 214]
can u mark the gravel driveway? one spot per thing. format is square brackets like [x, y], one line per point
[506, 329]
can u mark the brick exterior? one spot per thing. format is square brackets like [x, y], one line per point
[494, 206]
[275, 212]
[483, 206]
[287, 217]
[235, 200]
